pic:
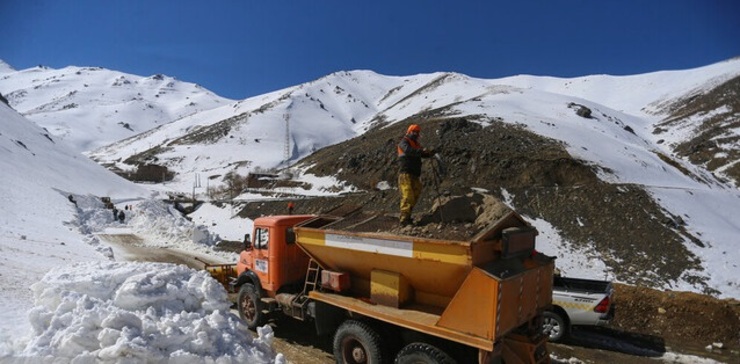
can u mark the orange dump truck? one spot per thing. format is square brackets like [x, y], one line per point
[399, 298]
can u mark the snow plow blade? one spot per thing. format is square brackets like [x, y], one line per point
[223, 273]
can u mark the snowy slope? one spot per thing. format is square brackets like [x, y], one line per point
[61, 101]
[62, 297]
[35, 214]
[39, 170]
[646, 97]
[637, 95]
[619, 137]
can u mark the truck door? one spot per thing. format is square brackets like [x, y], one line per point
[261, 255]
[295, 261]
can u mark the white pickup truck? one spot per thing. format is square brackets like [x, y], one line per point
[577, 302]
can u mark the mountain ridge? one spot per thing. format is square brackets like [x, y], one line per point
[125, 104]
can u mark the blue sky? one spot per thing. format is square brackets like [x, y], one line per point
[240, 49]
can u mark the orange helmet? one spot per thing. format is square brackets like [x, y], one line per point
[413, 128]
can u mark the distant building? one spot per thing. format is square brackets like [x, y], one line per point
[153, 173]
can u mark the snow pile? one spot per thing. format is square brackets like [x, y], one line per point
[139, 311]
[160, 222]
[222, 221]
[156, 223]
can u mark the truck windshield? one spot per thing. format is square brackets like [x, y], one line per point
[261, 238]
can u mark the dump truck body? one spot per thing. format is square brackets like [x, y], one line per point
[485, 293]
[466, 287]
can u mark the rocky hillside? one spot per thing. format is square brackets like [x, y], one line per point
[714, 143]
[537, 175]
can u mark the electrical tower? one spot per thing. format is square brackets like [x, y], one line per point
[286, 151]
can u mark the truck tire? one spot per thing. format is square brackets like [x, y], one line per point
[554, 326]
[250, 306]
[421, 353]
[357, 343]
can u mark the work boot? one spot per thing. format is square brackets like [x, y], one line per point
[406, 222]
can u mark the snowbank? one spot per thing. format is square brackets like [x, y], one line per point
[138, 312]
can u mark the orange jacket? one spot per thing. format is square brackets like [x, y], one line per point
[410, 153]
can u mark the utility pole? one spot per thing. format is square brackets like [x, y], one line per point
[196, 183]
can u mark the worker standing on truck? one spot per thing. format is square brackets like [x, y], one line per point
[410, 153]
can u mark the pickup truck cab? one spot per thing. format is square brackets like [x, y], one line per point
[577, 302]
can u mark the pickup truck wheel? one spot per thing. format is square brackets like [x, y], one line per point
[356, 343]
[554, 326]
[250, 306]
[421, 353]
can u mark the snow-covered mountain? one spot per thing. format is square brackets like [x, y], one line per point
[90, 107]
[273, 130]
[629, 130]
[158, 120]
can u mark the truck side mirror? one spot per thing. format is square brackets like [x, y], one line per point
[247, 242]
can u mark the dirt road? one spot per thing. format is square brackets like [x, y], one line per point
[299, 344]
[673, 341]
[129, 247]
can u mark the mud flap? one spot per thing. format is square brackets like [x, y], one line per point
[326, 317]
[523, 349]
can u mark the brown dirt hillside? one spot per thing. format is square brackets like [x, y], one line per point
[621, 221]
[713, 144]
[678, 317]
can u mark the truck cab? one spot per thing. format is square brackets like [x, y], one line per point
[270, 261]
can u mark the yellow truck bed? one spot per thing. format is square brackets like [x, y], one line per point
[485, 309]
[473, 292]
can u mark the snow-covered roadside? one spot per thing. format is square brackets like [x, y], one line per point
[92, 308]
[110, 311]
[220, 220]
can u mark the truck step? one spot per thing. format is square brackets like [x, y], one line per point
[271, 304]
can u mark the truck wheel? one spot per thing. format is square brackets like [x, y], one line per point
[421, 353]
[250, 306]
[355, 342]
[554, 326]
